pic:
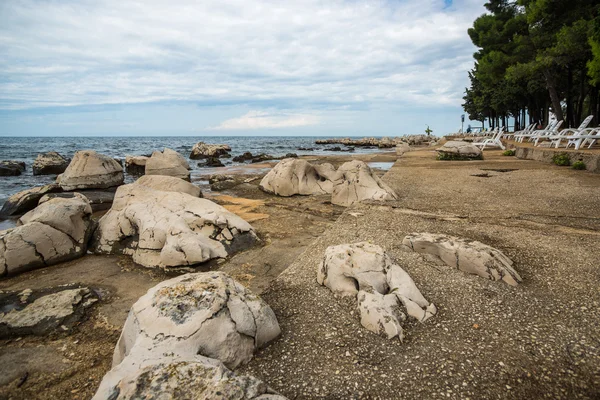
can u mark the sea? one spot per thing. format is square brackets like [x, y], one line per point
[27, 148]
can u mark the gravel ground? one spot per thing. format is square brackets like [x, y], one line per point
[488, 340]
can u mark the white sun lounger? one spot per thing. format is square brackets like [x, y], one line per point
[570, 132]
[493, 142]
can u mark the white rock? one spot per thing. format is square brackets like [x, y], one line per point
[57, 230]
[358, 184]
[348, 268]
[205, 313]
[168, 229]
[381, 286]
[187, 328]
[293, 176]
[169, 184]
[90, 170]
[460, 149]
[381, 314]
[189, 377]
[168, 162]
[466, 255]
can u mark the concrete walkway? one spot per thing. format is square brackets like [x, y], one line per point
[489, 340]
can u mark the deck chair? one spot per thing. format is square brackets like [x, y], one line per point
[531, 133]
[570, 132]
[493, 142]
[546, 133]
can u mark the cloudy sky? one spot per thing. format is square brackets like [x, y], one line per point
[233, 67]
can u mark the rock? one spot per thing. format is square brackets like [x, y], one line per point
[169, 229]
[99, 200]
[459, 150]
[135, 165]
[191, 377]
[181, 334]
[11, 168]
[402, 148]
[50, 163]
[293, 176]
[381, 287]
[247, 156]
[55, 231]
[206, 313]
[40, 312]
[220, 178]
[91, 170]
[466, 255]
[169, 184]
[358, 184]
[26, 200]
[203, 150]
[220, 182]
[170, 163]
[305, 148]
[211, 162]
[337, 148]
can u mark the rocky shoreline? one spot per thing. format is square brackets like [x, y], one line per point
[298, 213]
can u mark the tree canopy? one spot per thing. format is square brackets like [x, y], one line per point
[534, 56]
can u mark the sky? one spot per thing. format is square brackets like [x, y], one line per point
[233, 67]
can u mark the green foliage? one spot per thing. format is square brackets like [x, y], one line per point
[455, 157]
[508, 153]
[532, 54]
[561, 159]
[428, 131]
[578, 165]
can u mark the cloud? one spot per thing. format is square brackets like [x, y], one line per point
[265, 120]
[297, 54]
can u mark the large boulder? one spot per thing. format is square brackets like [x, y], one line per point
[359, 183]
[135, 165]
[293, 176]
[191, 377]
[57, 230]
[50, 163]
[459, 150]
[11, 168]
[169, 184]
[99, 199]
[26, 200]
[168, 162]
[466, 255]
[180, 333]
[42, 311]
[169, 229]
[203, 150]
[91, 170]
[365, 271]
[206, 313]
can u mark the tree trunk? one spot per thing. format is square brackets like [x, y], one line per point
[582, 94]
[570, 120]
[554, 98]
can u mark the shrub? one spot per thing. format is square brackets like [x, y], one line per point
[561, 159]
[578, 165]
[455, 157]
[508, 153]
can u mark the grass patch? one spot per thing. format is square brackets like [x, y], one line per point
[578, 165]
[508, 153]
[456, 157]
[561, 159]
